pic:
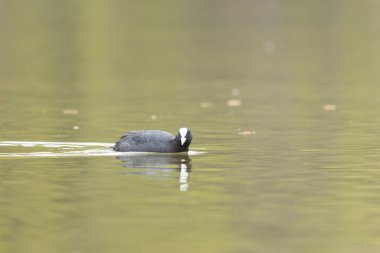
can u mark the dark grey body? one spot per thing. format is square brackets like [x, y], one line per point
[151, 141]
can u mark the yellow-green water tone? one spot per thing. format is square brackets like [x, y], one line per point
[282, 98]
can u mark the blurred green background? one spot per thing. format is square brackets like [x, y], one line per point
[281, 95]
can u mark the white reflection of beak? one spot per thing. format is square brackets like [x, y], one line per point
[183, 140]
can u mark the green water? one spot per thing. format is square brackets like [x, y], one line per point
[294, 166]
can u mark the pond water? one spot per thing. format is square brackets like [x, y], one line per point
[281, 97]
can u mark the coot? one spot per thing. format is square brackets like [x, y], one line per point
[154, 141]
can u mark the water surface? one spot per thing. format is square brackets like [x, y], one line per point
[281, 97]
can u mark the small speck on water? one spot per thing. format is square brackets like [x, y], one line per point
[70, 111]
[234, 102]
[235, 92]
[206, 104]
[269, 47]
[246, 132]
[76, 127]
[153, 117]
[329, 107]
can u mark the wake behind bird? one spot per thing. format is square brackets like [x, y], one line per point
[19, 149]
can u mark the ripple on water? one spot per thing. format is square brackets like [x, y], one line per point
[63, 149]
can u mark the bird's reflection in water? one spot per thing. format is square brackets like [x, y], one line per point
[159, 165]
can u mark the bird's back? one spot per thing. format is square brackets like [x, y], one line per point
[145, 141]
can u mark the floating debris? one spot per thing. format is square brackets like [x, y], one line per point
[235, 92]
[246, 132]
[76, 127]
[70, 112]
[234, 103]
[329, 107]
[153, 117]
[206, 104]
